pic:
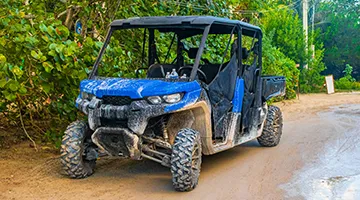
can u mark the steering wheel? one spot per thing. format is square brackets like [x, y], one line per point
[199, 71]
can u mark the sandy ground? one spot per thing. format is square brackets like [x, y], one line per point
[318, 158]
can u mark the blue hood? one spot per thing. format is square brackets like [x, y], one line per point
[135, 88]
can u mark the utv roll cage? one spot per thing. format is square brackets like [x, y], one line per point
[184, 27]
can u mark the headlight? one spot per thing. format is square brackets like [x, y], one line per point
[172, 98]
[87, 96]
[155, 99]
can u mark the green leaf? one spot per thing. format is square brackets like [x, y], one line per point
[2, 42]
[87, 58]
[9, 96]
[47, 66]
[2, 106]
[52, 53]
[13, 85]
[16, 70]
[59, 48]
[46, 87]
[52, 46]
[64, 32]
[43, 28]
[2, 58]
[43, 58]
[62, 57]
[22, 90]
[31, 40]
[2, 83]
[88, 42]
[58, 67]
[34, 54]
[45, 38]
[51, 31]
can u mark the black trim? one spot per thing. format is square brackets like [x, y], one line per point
[226, 50]
[151, 46]
[199, 53]
[240, 52]
[101, 53]
[181, 21]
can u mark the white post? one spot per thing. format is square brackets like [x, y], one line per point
[305, 26]
[313, 29]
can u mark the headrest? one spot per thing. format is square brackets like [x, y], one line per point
[245, 53]
[181, 45]
[233, 48]
[192, 53]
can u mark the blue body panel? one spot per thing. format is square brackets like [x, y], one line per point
[135, 88]
[238, 96]
[140, 88]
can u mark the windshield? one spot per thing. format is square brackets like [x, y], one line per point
[132, 52]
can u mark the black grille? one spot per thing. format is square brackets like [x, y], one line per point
[113, 122]
[117, 101]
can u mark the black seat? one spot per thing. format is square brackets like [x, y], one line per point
[210, 71]
[192, 53]
[159, 70]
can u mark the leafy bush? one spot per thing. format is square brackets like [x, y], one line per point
[41, 66]
[42, 60]
[310, 79]
[276, 63]
[347, 82]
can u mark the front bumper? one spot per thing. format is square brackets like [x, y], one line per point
[117, 141]
[135, 115]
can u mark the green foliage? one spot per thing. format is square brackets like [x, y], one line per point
[347, 82]
[310, 79]
[287, 32]
[340, 25]
[348, 71]
[41, 66]
[42, 60]
[276, 63]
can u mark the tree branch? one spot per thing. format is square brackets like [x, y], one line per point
[23, 127]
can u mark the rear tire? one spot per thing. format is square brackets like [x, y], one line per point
[76, 143]
[186, 160]
[272, 131]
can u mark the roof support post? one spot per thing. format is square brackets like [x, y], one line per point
[101, 53]
[199, 53]
[151, 47]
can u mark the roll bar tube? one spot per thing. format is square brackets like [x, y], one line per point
[199, 53]
[101, 53]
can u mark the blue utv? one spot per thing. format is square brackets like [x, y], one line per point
[201, 93]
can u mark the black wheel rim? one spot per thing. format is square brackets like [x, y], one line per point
[87, 147]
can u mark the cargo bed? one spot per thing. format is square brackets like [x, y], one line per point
[273, 86]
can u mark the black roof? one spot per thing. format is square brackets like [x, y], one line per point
[181, 20]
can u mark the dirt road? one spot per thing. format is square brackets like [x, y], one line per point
[318, 158]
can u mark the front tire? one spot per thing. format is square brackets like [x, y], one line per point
[76, 149]
[272, 131]
[186, 160]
